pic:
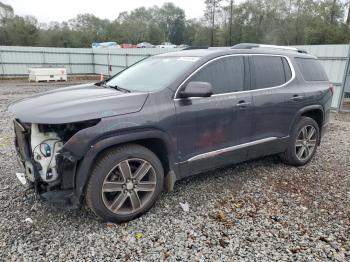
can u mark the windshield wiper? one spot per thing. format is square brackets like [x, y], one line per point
[118, 88]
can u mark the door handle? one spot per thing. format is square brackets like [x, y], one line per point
[296, 97]
[243, 104]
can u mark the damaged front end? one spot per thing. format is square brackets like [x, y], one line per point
[49, 167]
[55, 131]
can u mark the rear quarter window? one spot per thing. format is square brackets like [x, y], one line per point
[269, 71]
[311, 69]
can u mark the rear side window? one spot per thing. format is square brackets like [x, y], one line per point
[311, 69]
[269, 71]
[225, 74]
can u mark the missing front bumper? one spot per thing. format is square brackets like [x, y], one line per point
[66, 199]
[60, 192]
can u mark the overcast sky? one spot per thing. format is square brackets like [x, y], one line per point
[62, 10]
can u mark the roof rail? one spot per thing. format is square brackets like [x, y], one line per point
[195, 47]
[251, 46]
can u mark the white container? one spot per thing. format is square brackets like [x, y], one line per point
[47, 74]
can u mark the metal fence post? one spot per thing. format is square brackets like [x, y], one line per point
[345, 78]
[43, 54]
[108, 62]
[70, 63]
[2, 64]
[126, 60]
[93, 61]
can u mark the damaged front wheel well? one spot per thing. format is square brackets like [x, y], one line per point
[156, 145]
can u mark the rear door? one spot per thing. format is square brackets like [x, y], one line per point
[277, 98]
[211, 129]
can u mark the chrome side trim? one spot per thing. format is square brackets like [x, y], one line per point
[231, 148]
[254, 90]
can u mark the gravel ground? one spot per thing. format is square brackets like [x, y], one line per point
[260, 210]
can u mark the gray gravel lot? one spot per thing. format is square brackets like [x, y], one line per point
[261, 210]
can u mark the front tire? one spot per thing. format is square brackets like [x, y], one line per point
[125, 183]
[303, 143]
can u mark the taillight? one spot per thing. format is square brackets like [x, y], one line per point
[331, 88]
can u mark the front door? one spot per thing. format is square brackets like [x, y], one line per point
[211, 130]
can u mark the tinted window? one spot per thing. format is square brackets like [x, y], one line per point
[225, 74]
[311, 69]
[268, 71]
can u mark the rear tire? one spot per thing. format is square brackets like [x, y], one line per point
[303, 144]
[125, 183]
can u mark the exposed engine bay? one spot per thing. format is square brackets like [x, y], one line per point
[44, 146]
[39, 147]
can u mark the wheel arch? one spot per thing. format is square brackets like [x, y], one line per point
[155, 140]
[315, 112]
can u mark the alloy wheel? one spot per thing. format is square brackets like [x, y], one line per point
[306, 142]
[129, 186]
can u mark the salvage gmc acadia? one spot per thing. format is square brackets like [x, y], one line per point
[117, 144]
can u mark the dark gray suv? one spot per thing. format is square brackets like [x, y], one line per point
[119, 143]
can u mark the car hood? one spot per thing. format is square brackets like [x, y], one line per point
[76, 103]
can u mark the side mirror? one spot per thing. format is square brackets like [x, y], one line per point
[196, 89]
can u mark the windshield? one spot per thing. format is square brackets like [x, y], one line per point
[152, 74]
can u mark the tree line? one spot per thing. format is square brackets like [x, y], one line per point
[224, 22]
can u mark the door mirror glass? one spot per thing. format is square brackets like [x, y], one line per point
[196, 89]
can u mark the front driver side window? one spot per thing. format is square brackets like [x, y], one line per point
[225, 74]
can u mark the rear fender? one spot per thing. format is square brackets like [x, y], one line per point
[302, 111]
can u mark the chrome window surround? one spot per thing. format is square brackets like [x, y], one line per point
[237, 92]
